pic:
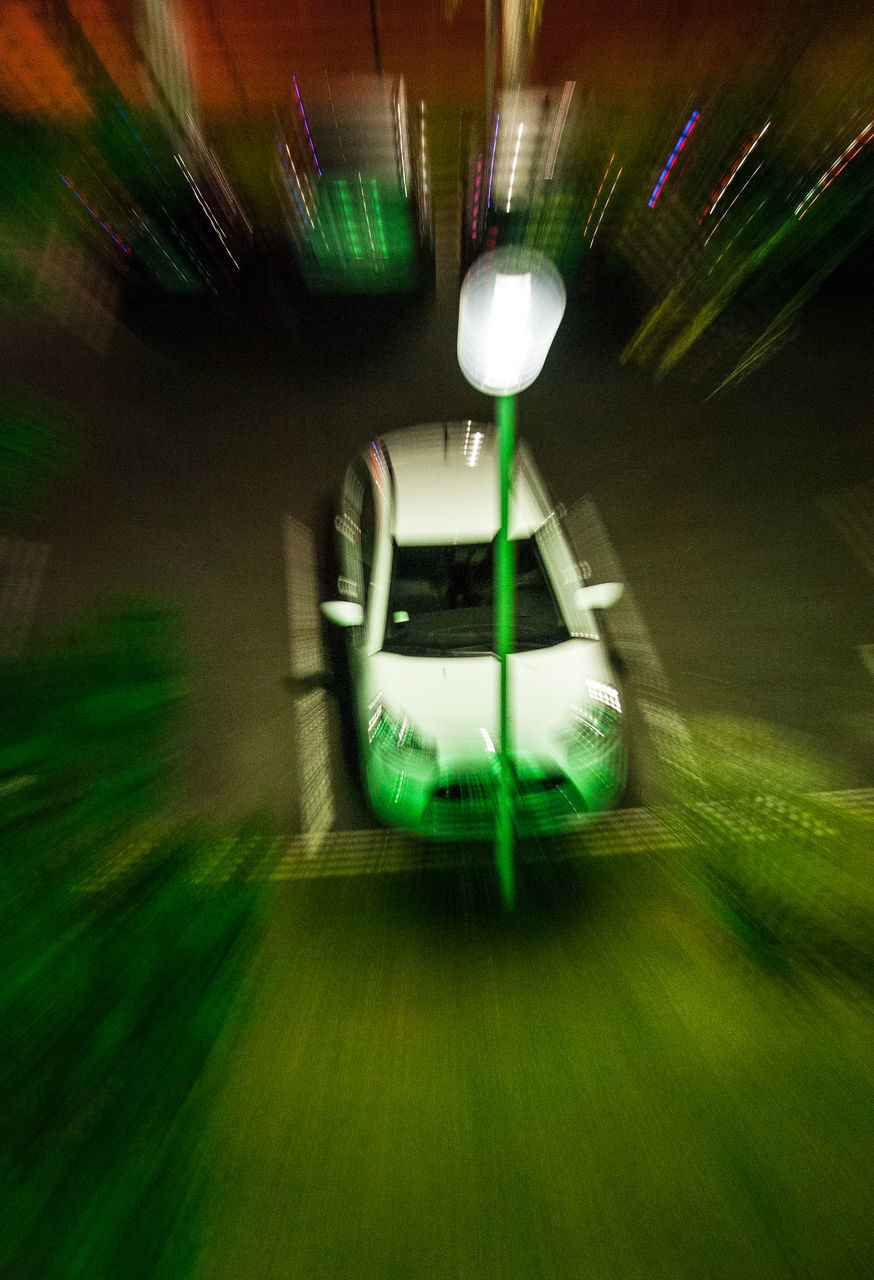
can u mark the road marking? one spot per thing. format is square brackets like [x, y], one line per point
[22, 565]
[851, 513]
[315, 787]
[307, 658]
[628, 630]
[306, 653]
[387, 851]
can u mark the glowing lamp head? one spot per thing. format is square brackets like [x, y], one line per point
[512, 301]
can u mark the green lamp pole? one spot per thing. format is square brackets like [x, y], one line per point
[512, 301]
[505, 590]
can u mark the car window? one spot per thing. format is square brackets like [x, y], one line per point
[441, 600]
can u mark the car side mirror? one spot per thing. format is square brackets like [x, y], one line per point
[600, 596]
[344, 613]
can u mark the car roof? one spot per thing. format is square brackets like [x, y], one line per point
[445, 485]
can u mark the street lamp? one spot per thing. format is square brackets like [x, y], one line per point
[512, 301]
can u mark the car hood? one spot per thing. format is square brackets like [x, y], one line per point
[455, 702]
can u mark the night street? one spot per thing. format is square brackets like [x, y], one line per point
[538, 1021]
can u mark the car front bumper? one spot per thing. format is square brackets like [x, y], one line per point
[546, 801]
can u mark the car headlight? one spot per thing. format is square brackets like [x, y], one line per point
[593, 725]
[387, 731]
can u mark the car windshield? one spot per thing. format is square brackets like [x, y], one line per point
[441, 601]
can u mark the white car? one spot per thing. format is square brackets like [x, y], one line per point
[419, 514]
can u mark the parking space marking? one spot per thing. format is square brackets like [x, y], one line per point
[22, 566]
[317, 811]
[387, 851]
[390, 852]
[311, 710]
[306, 653]
[628, 630]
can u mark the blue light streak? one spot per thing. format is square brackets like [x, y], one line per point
[680, 143]
[492, 163]
[306, 126]
[94, 215]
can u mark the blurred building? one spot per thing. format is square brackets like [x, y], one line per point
[523, 179]
[352, 173]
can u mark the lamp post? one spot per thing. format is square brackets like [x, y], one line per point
[512, 301]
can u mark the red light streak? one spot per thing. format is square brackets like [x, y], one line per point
[837, 167]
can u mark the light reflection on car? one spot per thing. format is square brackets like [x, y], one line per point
[418, 518]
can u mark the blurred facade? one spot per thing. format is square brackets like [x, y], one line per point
[524, 178]
[717, 166]
[353, 177]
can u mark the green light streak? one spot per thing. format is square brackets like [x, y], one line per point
[504, 603]
[379, 223]
[362, 238]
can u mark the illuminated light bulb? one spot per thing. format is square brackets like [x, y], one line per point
[511, 304]
[509, 327]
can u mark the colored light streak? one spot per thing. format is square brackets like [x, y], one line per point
[759, 207]
[564, 107]
[861, 140]
[185, 276]
[402, 147]
[94, 215]
[294, 183]
[230, 198]
[678, 147]
[606, 202]
[303, 117]
[719, 220]
[366, 215]
[492, 163]
[476, 195]
[206, 209]
[425, 201]
[423, 149]
[592, 210]
[377, 209]
[735, 168]
[515, 162]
